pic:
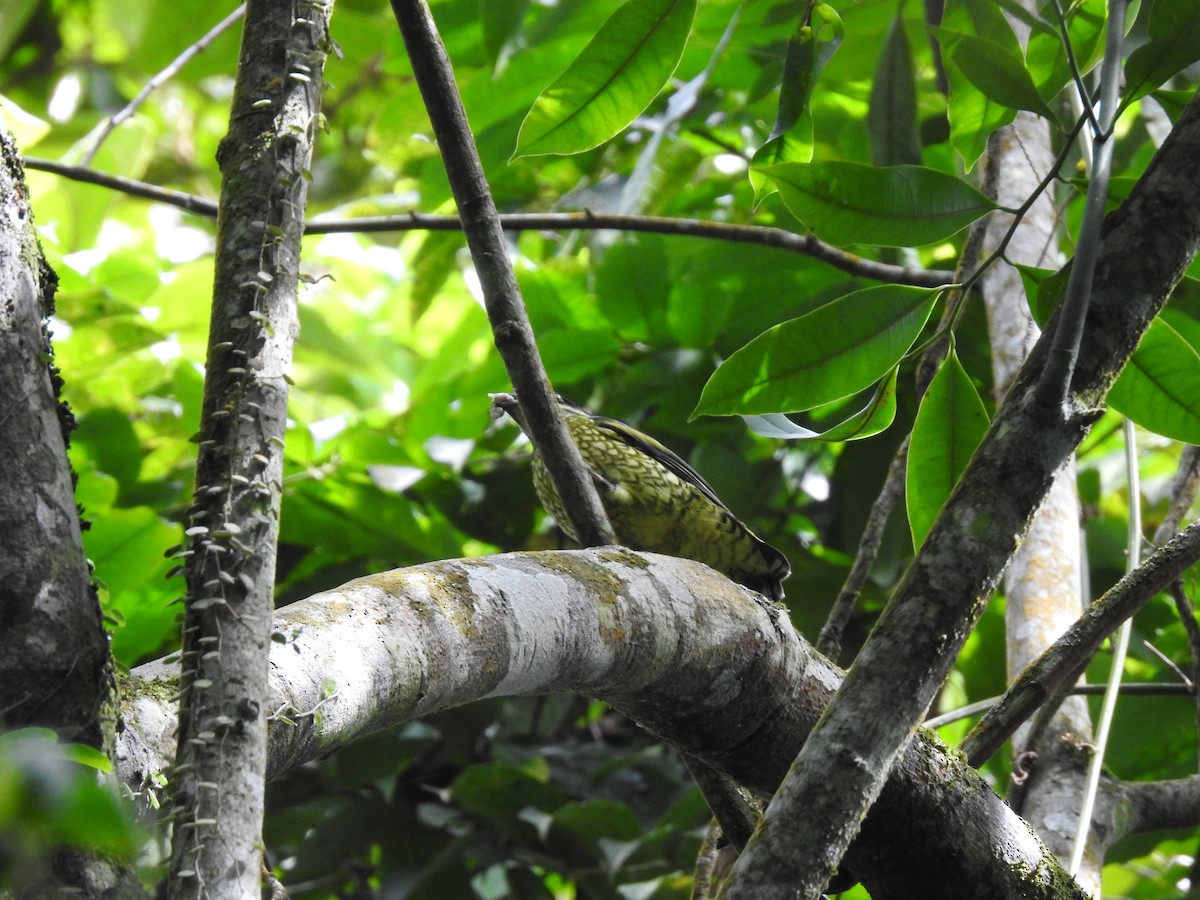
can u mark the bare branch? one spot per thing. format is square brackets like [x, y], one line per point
[1049, 677]
[171, 70]
[763, 236]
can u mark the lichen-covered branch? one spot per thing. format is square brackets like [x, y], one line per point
[710, 667]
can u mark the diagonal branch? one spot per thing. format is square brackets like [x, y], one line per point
[502, 297]
[1049, 678]
[1146, 245]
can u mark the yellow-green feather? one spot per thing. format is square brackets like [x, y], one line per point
[657, 502]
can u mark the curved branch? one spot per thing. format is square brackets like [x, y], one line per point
[708, 666]
[1146, 245]
[763, 236]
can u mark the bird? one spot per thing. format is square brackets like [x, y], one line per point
[654, 500]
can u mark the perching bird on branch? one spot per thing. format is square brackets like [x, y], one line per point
[655, 500]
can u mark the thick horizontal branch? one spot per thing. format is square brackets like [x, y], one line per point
[1157, 805]
[779, 238]
[708, 666]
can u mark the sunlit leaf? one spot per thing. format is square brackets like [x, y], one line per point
[614, 79]
[869, 421]
[897, 206]
[1045, 57]
[999, 75]
[808, 51]
[831, 353]
[1174, 30]
[1160, 387]
[973, 116]
[950, 424]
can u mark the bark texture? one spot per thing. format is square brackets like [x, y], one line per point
[1146, 245]
[708, 666]
[51, 633]
[218, 779]
[1042, 587]
[55, 668]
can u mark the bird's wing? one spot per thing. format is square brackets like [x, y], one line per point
[656, 451]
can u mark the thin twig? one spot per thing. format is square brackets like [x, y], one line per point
[161, 78]
[1055, 385]
[1048, 678]
[1108, 708]
[1134, 689]
[829, 642]
[1184, 485]
[1187, 615]
[764, 236]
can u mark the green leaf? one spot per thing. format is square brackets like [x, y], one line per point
[1160, 387]
[998, 74]
[808, 51]
[896, 206]
[892, 115]
[87, 756]
[614, 79]
[832, 353]
[869, 421]
[1046, 59]
[973, 117]
[502, 20]
[1173, 102]
[1044, 288]
[949, 426]
[1174, 30]
[981, 17]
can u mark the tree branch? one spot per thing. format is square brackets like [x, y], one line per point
[1050, 676]
[1147, 244]
[218, 782]
[642, 631]
[759, 235]
[1156, 805]
[501, 295]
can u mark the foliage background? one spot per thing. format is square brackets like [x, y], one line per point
[391, 455]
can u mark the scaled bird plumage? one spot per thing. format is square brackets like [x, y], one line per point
[655, 500]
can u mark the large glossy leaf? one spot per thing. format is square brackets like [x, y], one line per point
[1174, 29]
[869, 421]
[949, 426]
[896, 206]
[1160, 387]
[892, 116]
[612, 81]
[832, 353]
[997, 73]
[973, 116]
